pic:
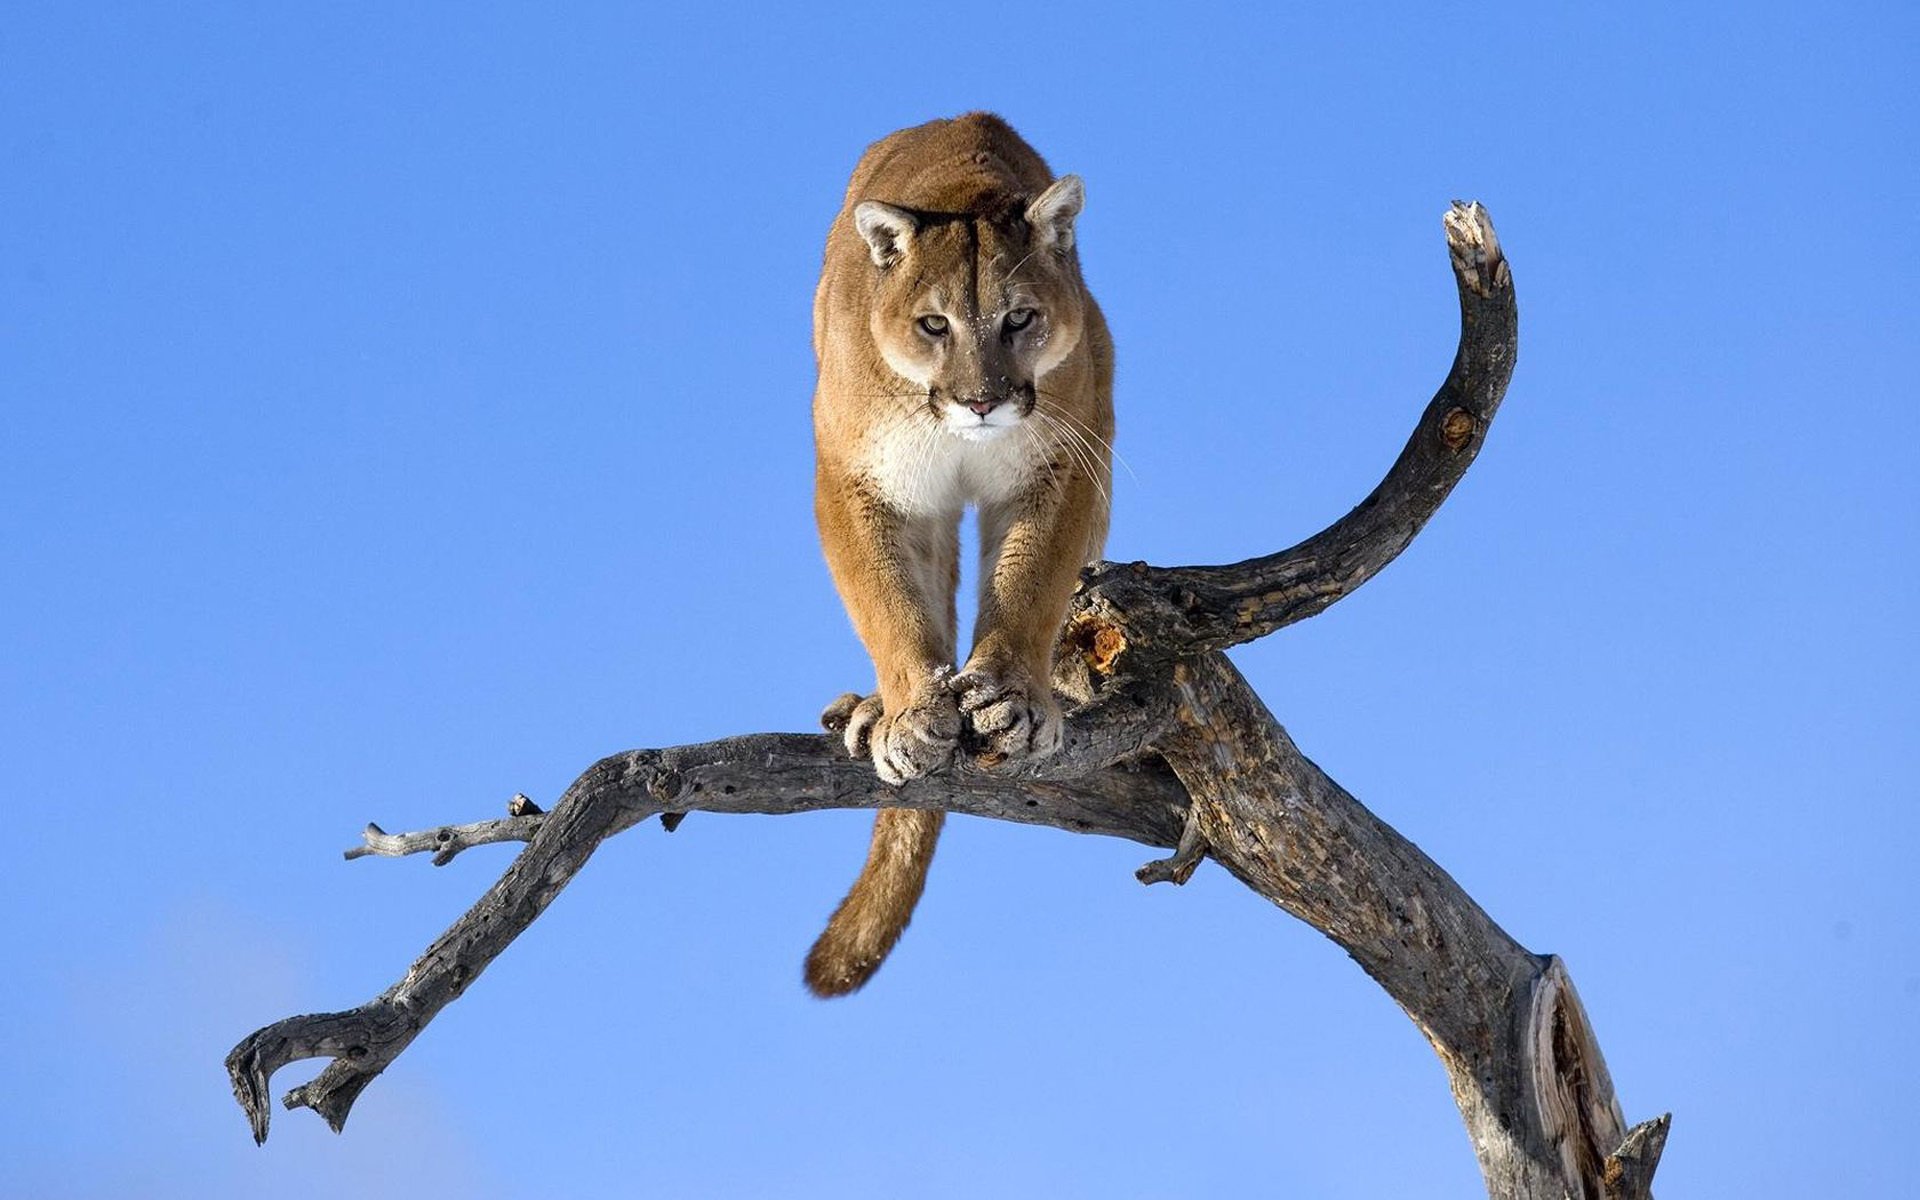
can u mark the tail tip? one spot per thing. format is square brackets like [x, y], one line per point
[829, 975]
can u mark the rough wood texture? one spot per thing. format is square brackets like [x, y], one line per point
[1168, 747]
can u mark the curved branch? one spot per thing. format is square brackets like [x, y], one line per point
[1176, 611]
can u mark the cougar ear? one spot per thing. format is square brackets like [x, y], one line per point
[1051, 215]
[886, 229]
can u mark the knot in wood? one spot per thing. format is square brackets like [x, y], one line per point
[666, 784]
[1456, 428]
[1099, 643]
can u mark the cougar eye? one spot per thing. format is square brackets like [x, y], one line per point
[1020, 318]
[933, 325]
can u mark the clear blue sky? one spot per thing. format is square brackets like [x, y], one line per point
[401, 409]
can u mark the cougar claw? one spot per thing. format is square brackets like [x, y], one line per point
[1008, 717]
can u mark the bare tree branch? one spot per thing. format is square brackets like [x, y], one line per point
[758, 773]
[779, 773]
[1168, 747]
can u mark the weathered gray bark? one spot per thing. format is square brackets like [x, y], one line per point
[1168, 747]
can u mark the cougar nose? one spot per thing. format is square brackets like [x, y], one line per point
[984, 404]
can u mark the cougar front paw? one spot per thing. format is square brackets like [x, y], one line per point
[915, 742]
[1009, 716]
[921, 739]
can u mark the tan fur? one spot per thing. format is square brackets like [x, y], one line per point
[962, 363]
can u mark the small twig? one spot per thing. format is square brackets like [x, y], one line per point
[1178, 867]
[446, 841]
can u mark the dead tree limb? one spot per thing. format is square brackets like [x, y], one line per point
[1169, 747]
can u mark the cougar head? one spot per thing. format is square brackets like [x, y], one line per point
[975, 308]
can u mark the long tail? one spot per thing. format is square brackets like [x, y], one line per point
[869, 921]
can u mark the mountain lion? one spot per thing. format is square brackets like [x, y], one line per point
[962, 362]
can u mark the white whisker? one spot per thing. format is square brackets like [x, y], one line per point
[1061, 414]
[1082, 454]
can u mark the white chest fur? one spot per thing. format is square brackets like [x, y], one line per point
[927, 470]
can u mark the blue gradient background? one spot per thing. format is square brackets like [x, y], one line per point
[399, 409]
